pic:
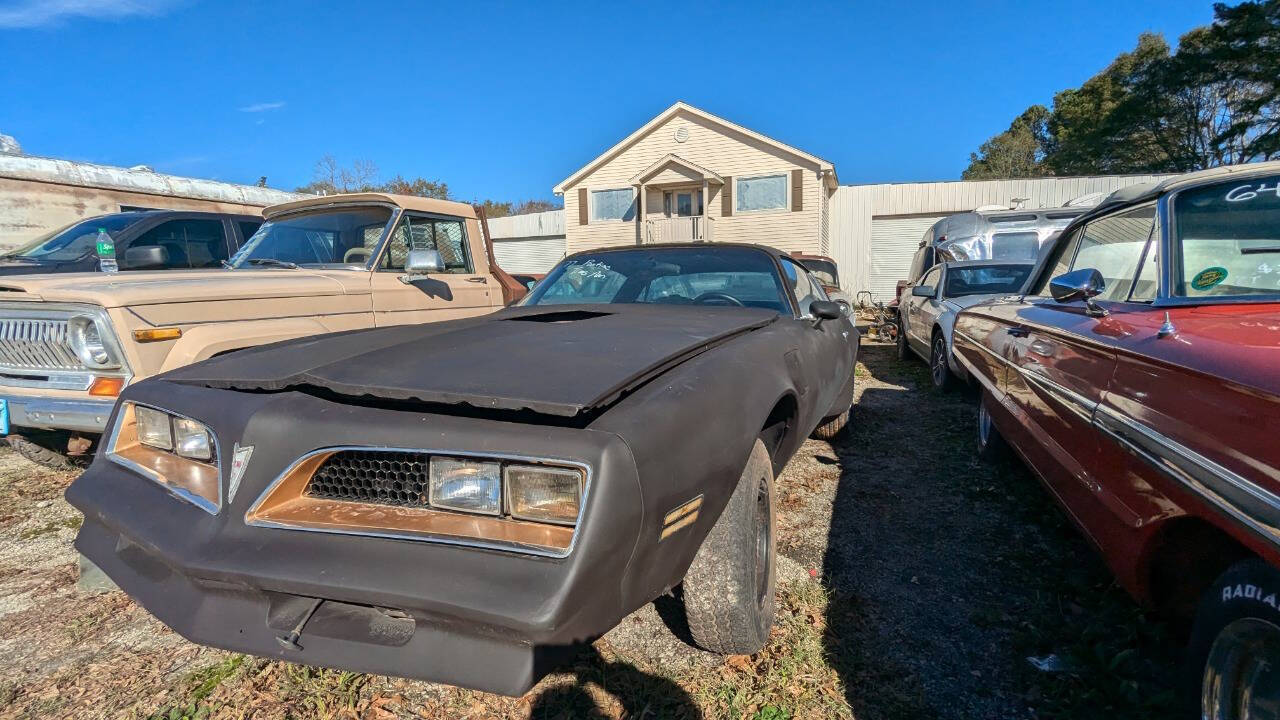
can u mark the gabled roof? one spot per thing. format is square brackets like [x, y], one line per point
[670, 112]
[673, 159]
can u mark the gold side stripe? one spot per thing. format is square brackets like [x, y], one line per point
[688, 520]
[689, 507]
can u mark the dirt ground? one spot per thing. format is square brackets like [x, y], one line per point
[915, 582]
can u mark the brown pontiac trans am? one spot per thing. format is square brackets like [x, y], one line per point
[466, 501]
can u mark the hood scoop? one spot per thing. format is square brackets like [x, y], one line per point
[561, 316]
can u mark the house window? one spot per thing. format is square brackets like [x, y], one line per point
[612, 205]
[768, 192]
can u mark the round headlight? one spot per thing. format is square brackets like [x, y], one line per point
[87, 342]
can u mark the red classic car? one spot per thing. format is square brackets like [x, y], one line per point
[1139, 377]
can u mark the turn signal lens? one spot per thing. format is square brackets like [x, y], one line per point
[157, 334]
[466, 485]
[544, 494]
[191, 439]
[153, 428]
[106, 386]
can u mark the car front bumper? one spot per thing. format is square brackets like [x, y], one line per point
[87, 416]
[492, 620]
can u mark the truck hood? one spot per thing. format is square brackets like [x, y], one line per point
[131, 289]
[553, 360]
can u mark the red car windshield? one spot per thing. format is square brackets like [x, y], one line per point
[1227, 237]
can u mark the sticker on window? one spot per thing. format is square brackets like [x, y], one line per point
[1208, 278]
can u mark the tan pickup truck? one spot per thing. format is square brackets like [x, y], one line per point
[70, 342]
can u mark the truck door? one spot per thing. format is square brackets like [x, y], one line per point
[456, 292]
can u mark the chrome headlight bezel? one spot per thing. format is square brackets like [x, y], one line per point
[94, 344]
[198, 481]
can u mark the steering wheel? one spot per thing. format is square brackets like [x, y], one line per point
[356, 252]
[714, 295]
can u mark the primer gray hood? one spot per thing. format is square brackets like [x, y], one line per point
[555, 360]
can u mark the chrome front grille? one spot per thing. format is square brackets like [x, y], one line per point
[33, 345]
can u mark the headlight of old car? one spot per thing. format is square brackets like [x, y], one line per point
[544, 494]
[89, 344]
[466, 485]
[173, 450]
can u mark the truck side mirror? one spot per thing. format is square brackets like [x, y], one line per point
[924, 291]
[423, 262]
[146, 257]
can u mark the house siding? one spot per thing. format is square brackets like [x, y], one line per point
[721, 150]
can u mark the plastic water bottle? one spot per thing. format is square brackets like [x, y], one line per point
[106, 252]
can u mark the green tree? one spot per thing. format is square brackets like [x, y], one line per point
[1015, 153]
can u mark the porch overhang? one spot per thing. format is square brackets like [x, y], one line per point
[689, 172]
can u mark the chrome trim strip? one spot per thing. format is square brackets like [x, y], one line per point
[152, 475]
[440, 539]
[980, 346]
[1245, 501]
[1078, 404]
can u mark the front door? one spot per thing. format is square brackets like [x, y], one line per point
[456, 292]
[682, 203]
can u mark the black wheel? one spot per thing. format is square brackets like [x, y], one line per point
[904, 351]
[37, 449]
[991, 444]
[831, 427]
[728, 591]
[939, 370]
[1233, 660]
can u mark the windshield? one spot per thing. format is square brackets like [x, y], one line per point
[725, 276]
[327, 238]
[74, 241]
[986, 279]
[1227, 239]
[824, 270]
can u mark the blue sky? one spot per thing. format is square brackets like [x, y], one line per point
[503, 101]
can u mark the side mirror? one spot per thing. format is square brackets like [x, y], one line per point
[924, 291]
[422, 262]
[1084, 284]
[825, 310]
[146, 257]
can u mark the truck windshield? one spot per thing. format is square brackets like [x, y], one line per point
[1227, 239]
[346, 238]
[724, 277]
[824, 270]
[74, 241]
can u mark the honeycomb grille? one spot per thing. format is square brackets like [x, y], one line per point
[381, 477]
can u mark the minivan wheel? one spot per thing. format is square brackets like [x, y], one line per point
[728, 591]
[991, 444]
[1232, 666]
[938, 368]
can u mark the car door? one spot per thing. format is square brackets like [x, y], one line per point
[920, 311]
[825, 363]
[1063, 355]
[455, 292]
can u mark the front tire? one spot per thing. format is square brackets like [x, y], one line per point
[38, 449]
[728, 591]
[1232, 667]
[939, 369]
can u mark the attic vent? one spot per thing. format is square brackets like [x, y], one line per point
[559, 317]
[682, 134]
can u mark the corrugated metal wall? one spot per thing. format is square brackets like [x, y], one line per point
[856, 208]
[531, 243]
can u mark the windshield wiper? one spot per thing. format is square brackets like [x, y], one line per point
[272, 262]
[13, 256]
[1259, 250]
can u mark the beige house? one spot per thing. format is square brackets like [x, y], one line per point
[699, 177]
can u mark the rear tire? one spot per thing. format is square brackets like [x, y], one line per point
[831, 427]
[1232, 665]
[40, 453]
[991, 444]
[728, 591]
[939, 364]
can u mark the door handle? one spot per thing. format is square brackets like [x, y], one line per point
[477, 279]
[1018, 332]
